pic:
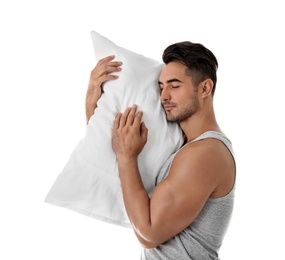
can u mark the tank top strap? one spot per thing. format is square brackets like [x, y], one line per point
[216, 135]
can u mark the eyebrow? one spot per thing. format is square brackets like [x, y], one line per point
[170, 81]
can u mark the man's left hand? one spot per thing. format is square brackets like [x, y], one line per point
[129, 134]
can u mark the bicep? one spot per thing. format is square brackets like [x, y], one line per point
[177, 200]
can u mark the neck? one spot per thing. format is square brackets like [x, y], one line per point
[199, 123]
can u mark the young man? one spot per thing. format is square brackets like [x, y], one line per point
[191, 206]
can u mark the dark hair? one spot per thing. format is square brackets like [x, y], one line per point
[200, 61]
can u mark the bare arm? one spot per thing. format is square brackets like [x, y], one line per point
[99, 75]
[177, 200]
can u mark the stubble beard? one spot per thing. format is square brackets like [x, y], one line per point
[185, 112]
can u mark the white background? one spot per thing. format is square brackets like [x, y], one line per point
[46, 56]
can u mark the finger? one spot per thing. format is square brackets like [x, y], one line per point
[113, 66]
[132, 115]
[115, 63]
[106, 59]
[124, 117]
[102, 79]
[143, 131]
[107, 77]
[117, 121]
[138, 119]
[110, 69]
[106, 65]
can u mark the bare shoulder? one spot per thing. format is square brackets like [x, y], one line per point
[208, 162]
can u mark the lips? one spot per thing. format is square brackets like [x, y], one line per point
[168, 107]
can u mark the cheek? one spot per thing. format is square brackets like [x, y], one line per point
[183, 96]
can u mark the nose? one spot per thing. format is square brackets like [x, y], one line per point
[164, 95]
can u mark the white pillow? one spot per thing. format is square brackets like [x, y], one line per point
[89, 183]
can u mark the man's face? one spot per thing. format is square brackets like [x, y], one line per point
[178, 95]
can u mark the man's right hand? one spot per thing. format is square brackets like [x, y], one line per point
[99, 75]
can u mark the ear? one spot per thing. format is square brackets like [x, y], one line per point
[206, 88]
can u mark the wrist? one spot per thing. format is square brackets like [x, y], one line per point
[128, 166]
[125, 159]
[89, 111]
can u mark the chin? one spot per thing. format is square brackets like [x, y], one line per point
[171, 119]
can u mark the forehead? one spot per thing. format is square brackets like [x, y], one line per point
[173, 70]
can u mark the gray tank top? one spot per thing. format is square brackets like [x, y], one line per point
[203, 238]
